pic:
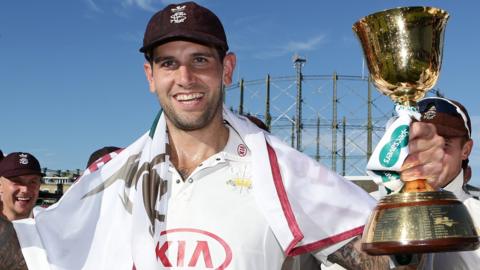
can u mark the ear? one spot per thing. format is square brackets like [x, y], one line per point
[229, 63]
[467, 149]
[149, 74]
[1, 187]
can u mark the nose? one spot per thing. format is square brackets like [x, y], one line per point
[186, 77]
[23, 188]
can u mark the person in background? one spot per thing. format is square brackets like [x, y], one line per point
[20, 179]
[97, 154]
[452, 122]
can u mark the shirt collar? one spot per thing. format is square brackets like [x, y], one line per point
[456, 187]
[235, 149]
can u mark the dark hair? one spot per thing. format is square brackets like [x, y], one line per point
[100, 153]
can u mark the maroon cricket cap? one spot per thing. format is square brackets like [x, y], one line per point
[185, 21]
[449, 116]
[19, 163]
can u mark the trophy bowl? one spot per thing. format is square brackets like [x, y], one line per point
[403, 49]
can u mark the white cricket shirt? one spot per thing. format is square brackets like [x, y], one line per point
[213, 221]
[212, 217]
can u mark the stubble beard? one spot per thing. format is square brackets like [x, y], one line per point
[189, 124]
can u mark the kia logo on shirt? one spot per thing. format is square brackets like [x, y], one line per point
[192, 248]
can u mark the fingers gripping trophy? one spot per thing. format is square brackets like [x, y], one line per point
[403, 48]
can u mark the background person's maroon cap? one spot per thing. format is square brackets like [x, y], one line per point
[18, 164]
[449, 116]
[185, 21]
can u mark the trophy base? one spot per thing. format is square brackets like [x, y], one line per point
[419, 222]
[419, 246]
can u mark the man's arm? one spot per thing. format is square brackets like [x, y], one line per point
[352, 257]
[11, 257]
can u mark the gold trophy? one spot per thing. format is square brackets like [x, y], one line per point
[403, 48]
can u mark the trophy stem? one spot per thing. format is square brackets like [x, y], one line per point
[408, 103]
[419, 185]
[407, 97]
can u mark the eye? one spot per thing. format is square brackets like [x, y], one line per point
[451, 143]
[200, 59]
[167, 64]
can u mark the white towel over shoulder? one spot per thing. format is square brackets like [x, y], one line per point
[111, 217]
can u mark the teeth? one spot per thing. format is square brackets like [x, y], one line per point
[187, 97]
[24, 198]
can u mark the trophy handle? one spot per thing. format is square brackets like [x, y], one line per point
[419, 185]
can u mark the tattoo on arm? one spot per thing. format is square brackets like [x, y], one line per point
[352, 257]
[11, 257]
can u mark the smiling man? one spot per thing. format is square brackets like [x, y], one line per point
[205, 188]
[188, 63]
[20, 176]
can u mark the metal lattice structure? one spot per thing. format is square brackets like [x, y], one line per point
[335, 119]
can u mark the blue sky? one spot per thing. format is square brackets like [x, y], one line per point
[71, 77]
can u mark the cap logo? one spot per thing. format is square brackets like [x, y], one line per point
[430, 114]
[23, 159]
[179, 15]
